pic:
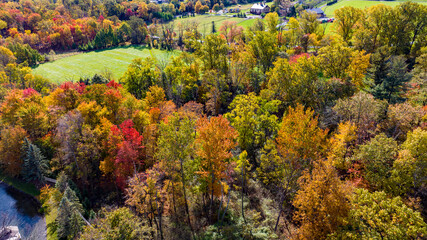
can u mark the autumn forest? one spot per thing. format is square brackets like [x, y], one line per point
[262, 132]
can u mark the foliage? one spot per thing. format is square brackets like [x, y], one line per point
[374, 215]
[35, 165]
[11, 142]
[377, 157]
[253, 119]
[215, 139]
[322, 202]
[116, 224]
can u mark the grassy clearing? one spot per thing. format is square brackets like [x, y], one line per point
[50, 218]
[116, 60]
[205, 22]
[27, 188]
[329, 10]
[247, 23]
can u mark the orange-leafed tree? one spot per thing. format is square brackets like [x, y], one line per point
[215, 140]
[322, 202]
[299, 142]
[11, 140]
[300, 139]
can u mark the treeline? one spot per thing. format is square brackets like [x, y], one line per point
[65, 25]
[257, 134]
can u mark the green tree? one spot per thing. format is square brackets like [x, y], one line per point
[117, 224]
[263, 46]
[35, 165]
[139, 77]
[272, 20]
[392, 86]
[253, 118]
[214, 54]
[377, 157]
[69, 220]
[376, 216]
[345, 21]
[175, 149]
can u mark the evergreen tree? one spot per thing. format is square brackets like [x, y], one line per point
[387, 76]
[69, 219]
[213, 27]
[62, 182]
[62, 220]
[35, 164]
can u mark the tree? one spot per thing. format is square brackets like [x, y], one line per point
[295, 82]
[139, 77]
[35, 165]
[392, 86]
[298, 144]
[409, 170]
[6, 56]
[362, 110]
[125, 152]
[213, 27]
[215, 140]
[214, 54]
[253, 119]
[272, 20]
[116, 224]
[375, 216]
[263, 46]
[308, 23]
[335, 58]
[11, 142]
[147, 194]
[322, 202]
[377, 157]
[197, 7]
[345, 20]
[357, 68]
[138, 30]
[175, 149]
[340, 145]
[69, 219]
[300, 140]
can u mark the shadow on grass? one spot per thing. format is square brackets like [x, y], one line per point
[134, 46]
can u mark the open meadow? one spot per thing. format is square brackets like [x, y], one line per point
[116, 60]
[329, 10]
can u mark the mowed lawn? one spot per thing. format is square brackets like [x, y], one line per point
[329, 10]
[205, 22]
[115, 60]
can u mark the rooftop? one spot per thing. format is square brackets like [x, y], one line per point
[259, 6]
[315, 10]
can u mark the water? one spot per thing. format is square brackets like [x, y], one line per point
[20, 209]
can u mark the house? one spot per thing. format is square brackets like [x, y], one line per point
[318, 11]
[259, 8]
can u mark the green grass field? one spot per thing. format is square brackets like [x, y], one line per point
[329, 10]
[205, 22]
[116, 60]
[27, 188]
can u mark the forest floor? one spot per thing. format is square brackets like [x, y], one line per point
[113, 60]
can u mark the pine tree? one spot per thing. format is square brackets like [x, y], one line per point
[35, 164]
[213, 27]
[69, 219]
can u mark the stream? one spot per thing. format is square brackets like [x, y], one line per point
[22, 210]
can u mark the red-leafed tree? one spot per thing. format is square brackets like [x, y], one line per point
[125, 149]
